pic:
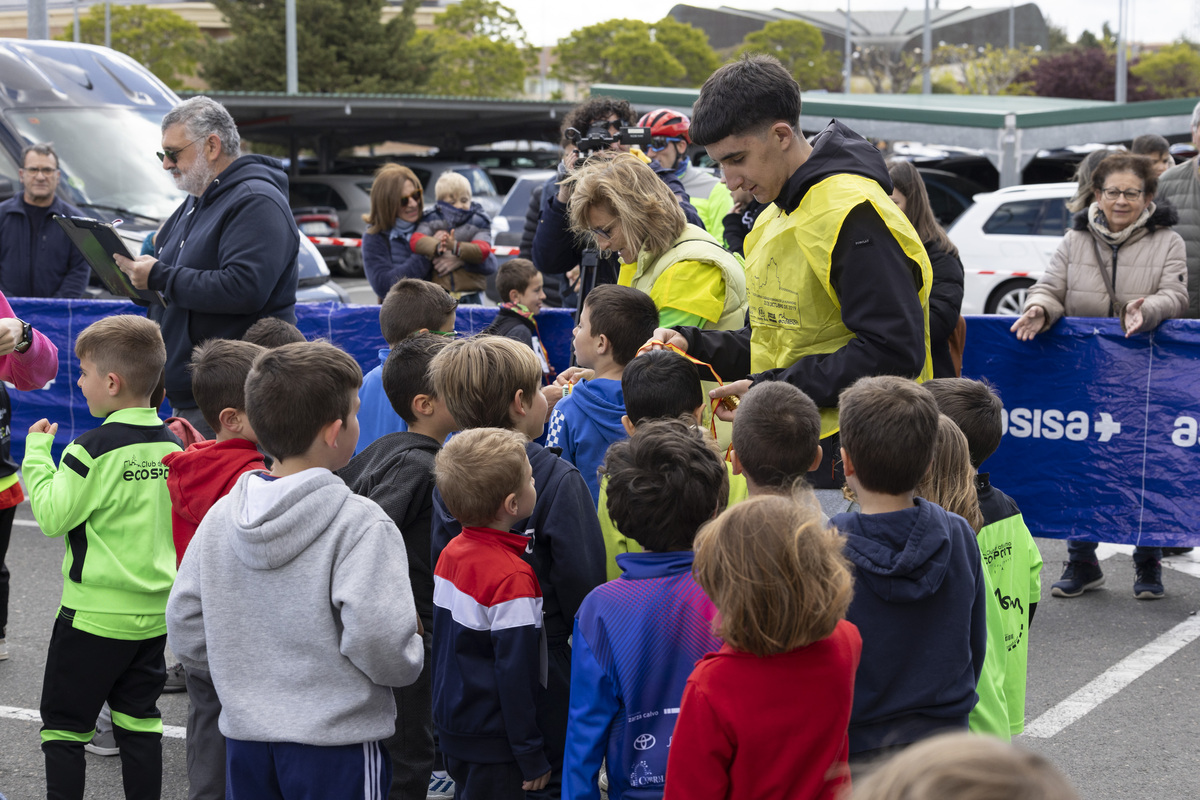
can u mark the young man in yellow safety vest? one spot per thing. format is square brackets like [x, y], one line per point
[837, 278]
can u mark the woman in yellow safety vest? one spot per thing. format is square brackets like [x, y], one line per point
[620, 202]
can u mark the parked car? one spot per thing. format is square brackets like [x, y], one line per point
[1005, 241]
[949, 194]
[509, 225]
[103, 112]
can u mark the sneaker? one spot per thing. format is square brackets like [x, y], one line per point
[103, 744]
[440, 788]
[1077, 578]
[1148, 583]
[3, 649]
[175, 680]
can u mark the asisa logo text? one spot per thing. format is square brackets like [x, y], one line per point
[1051, 423]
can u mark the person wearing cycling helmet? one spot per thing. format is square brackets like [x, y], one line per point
[668, 146]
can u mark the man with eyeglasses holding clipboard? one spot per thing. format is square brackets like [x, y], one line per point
[227, 256]
[36, 257]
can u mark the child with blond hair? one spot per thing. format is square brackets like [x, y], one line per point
[766, 716]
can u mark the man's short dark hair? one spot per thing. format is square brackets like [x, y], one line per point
[514, 275]
[664, 482]
[581, 116]
[219, 368]
[625, 315]
[293, 391]
[406, 371]
[1149, 144]
[412, 304]
[660, 384]
[742, 96]
[889, 429]
[977, 411]
[272, 332]
[776, 434]
[42, 149]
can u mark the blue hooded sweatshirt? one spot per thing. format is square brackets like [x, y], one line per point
[238, 265]
[919, 603]
[584, 423]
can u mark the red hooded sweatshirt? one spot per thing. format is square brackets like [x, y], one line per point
[200, 476]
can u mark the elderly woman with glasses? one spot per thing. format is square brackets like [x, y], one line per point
[1120, 260]
[396, 210]
[619, 201]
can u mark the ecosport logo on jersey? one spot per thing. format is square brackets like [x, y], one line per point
[1051, 423]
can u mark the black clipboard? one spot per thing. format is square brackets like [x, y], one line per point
[98, 241]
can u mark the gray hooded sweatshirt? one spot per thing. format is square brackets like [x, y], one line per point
[294, 595]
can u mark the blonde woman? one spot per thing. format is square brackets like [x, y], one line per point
[619, 201]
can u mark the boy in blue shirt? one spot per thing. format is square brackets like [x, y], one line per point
[615, 322]
[919, 598]
[410, 306]
[637, 638]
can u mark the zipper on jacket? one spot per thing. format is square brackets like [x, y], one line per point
[1112, 311]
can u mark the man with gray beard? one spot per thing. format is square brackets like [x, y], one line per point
[227, 256]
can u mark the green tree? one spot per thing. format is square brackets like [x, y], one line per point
[990, 70]
[480, 49]
[800, 47]
[1172, 71]
[160, 40]
[341, 46]
[665, 53]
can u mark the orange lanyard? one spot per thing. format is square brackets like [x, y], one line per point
[730, 402]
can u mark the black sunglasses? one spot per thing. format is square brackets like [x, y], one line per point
[173, 155]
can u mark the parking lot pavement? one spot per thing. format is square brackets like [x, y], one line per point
[1114, 682]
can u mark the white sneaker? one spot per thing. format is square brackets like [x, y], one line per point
[440, 788]
[3, 649]
[103, 744]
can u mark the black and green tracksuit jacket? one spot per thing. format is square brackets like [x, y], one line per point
[109, 498]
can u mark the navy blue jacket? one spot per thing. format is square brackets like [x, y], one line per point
[61, 269]
[556, 249]
[919, 604]
[388, 257]
[225, 260]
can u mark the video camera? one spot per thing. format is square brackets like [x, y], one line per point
[599, 137]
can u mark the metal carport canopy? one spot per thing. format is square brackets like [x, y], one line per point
[330, 122]
[1009, 130]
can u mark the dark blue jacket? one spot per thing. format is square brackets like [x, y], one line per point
[225, 260]
[556, 249]
[61, 270]
[919, 604]
[388, 257]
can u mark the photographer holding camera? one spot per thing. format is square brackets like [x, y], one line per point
[601, 122]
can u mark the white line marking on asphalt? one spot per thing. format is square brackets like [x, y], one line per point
[32, 715]
[28, 523]
[1114, 679]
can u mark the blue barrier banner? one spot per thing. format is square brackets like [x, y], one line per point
[1100, 431]
[354, 328]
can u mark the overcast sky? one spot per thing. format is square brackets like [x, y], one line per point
[1150, 20]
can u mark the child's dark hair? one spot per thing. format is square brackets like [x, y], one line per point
[976, 410]
[272, 332]
[515, 275]
[664, 483]
[775, 572]
[753, 92]
[1149, 144]
[659, 384]
[406, 371]
[889, 429]
[127, 344]
[219, 368]
[285, 420]
[599, 107]
[625, 315]
[776, 434]
[412, 305]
